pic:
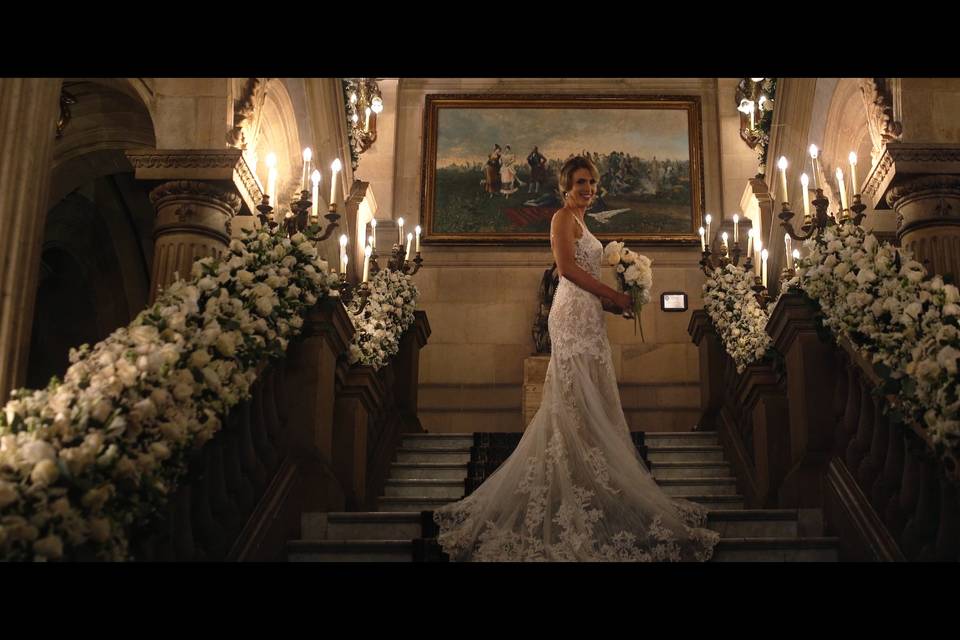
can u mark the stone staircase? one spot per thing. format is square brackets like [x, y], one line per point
[430, 470]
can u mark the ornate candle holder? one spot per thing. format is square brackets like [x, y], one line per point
[816, 224]
[397, 261]
[727, 255]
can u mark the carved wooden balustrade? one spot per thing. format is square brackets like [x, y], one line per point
[827, 443]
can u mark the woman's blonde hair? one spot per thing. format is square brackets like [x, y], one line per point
[570, 167]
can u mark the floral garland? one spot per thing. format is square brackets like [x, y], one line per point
[387, 314]
[84, 459]
[762, 130]
[737, 316]
[353, 143]
[879, 298]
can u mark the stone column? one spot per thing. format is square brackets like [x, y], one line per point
[198, 193]
[193, 221]
[928, 221]
[28, 121]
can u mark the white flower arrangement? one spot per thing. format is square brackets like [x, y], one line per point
[84, 459]
[388, 313]
[879, 298]
[737, 316]
[634, 275]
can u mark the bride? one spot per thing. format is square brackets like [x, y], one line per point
[575, 488]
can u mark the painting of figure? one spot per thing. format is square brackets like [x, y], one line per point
[491, 163]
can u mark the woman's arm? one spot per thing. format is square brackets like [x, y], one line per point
[562, 239]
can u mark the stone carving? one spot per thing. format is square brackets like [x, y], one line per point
[198, 192]
[905, 153]
[232, 160]
[245, 111]
[878, 103]
[66, 99]
[938, 186]
[548, 287]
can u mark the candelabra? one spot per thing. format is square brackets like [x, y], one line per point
[710, 262]
[299, 218]
[364, 104]
[349, 293]
[397, 261]
[816, 224]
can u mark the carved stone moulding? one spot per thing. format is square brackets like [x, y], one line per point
[905, 161]
[224, 167]
[195, 207]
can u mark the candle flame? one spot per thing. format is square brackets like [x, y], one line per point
[804, 180]
[271, 160]
[814, 151]
[307, 155]
[315, 177]
[335, 165]
[853, 158]
[782, 163]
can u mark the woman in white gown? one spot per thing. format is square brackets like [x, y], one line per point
[575, 488]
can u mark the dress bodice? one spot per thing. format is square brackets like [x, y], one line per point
[576, 320]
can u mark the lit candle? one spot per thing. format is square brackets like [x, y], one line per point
[307, 156]
[853, 174]
[787, 242]
[782, 163]
[343, 253]
[751, 109]
[400, 227]
[763, 258]
[272, 177]
[796, 256]
[343, 262]
[409, 243]
[736, 223]
[315, 206]
[335, 166]
[843, 191]
[708, 219]
[805, 181]
[757, 248]
[366, 120]
[723, 241]
[373, 233]
[749, 242]
[703, 242]
[417, 229]
[366, 262]
[814, 152]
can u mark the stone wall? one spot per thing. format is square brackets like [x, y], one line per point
[481, 301]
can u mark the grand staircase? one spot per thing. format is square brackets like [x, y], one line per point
[430, 470]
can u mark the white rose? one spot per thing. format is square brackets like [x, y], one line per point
[264, 306]
[127, 372]
[8, 493]
[951, 310]
[44, 473]
[947, 358]
[160, 450]
[199, 358]
[227, 343]
[182, 391]
[207, 283]
[50, 546]
[37, 450]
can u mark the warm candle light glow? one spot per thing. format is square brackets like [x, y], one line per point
[708, 219]
[335, 166]
[788, 243]
[749, 242]
[796, 256]
[782, 164]
[805, 182]
[409, 244]
[417, 229]
[814, 152]
[366, 262]
[373, 233]
[842, 190]
[757, 248]
[366, 119]
[853, 174]
[400, 228]
[703, 242]
[723, 238]
[307, 156]
[736, 223]
[763, 257]
[315, 195]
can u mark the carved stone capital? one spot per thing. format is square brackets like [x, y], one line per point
[225, 167]
[191, 206]
[902, 162]
[878, 103]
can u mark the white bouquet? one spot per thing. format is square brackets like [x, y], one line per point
[634, 275]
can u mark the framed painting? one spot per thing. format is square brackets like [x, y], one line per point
[490, 166]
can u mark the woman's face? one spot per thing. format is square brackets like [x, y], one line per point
[584, 187]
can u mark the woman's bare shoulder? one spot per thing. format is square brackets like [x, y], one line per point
[564, 217]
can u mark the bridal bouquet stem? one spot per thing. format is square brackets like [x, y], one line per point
[634, 277]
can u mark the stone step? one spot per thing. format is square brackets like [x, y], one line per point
[450, 456]
[436, 441]
[350, 551]
[361, 525]
[669, 470]
[685, 454]
[428, 470]
[415, 488]
[790, 549]
[714, 501]
[402, 503]
[754, 523]
[656, 440]
[699, 486]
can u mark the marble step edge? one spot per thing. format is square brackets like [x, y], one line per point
[683, 448]
[799, 542]
[429, 465]
[431, 482]
[683, 434]
[437, 436]
[349, 545]
[709, 464]
[432, 450]
[679, 482]
[415, 516]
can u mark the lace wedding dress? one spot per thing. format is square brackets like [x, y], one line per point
[575, 488]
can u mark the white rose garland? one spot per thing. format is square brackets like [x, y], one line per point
[387, 315]
[738, 318]
[84, 459]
